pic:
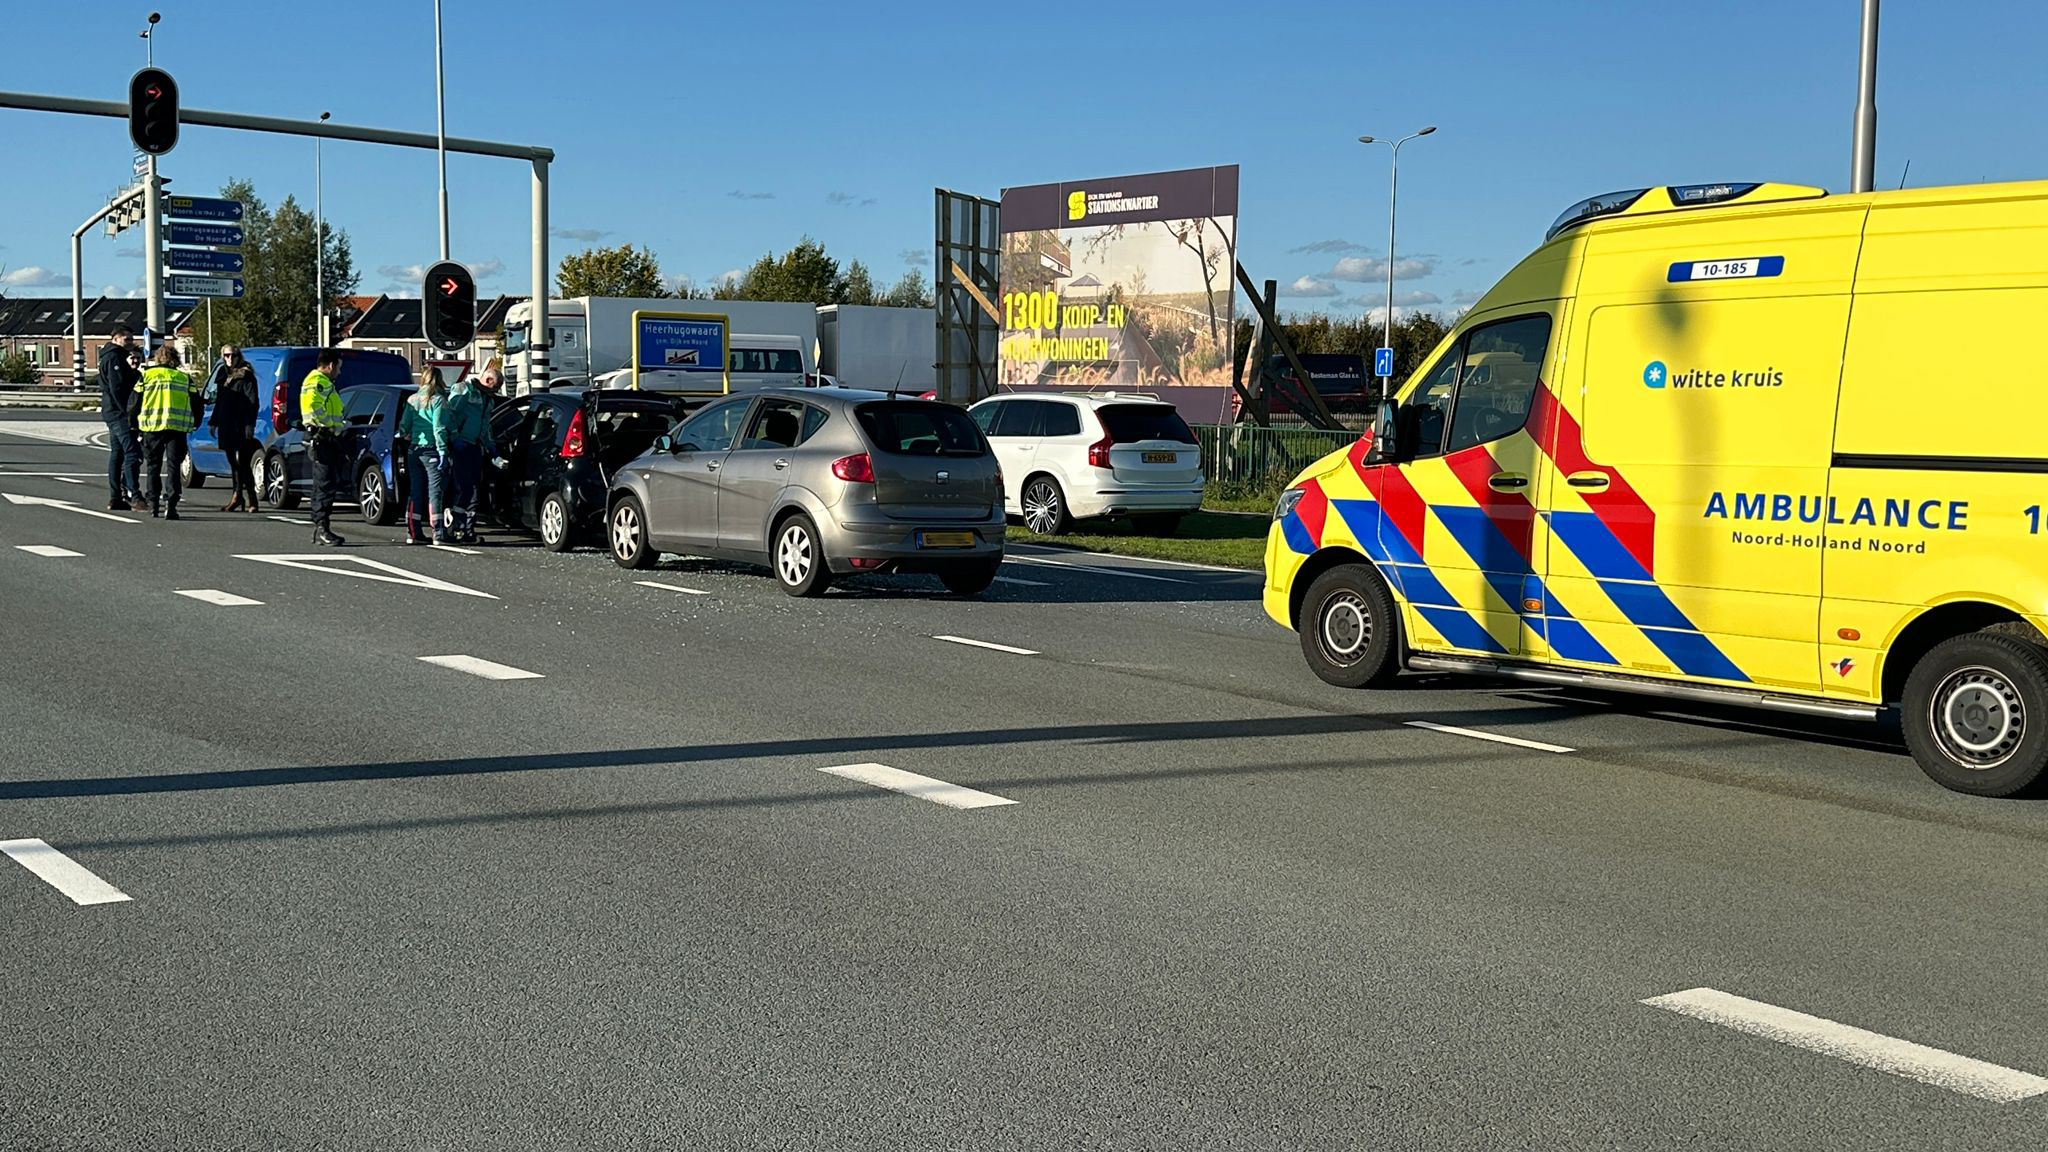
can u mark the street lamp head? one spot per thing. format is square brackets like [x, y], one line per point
[1366, 140]
[325, 115]
[1427, 131]
[155, 16]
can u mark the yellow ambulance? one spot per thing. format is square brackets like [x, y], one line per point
[1745, 443]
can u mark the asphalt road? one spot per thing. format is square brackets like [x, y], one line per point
[378, 902]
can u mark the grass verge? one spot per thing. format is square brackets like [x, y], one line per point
[1203, 538]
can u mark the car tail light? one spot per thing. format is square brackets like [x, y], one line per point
[572, 444]
[858, 468]
[864, 562]
[1098, 452]
[277, 420]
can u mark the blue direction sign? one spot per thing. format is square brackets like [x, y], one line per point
[1383, 362]
[204, 235]
[180, 303]
[226, 287]
[203, 260]
[202, 208]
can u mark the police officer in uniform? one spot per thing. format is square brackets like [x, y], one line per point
[320, 413]
[169, 413]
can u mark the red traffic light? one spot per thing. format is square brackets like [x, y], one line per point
[449, 287]
[153, 111]
[448, 315]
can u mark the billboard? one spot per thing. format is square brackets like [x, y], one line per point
[1122, 284]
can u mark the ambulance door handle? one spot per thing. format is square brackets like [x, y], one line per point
[1507, 482]
[1596, 481]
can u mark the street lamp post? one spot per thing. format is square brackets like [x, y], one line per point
[319, 249]
[441, 126]
[1393, 200]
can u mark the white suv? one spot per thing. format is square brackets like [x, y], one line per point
[1074, 456]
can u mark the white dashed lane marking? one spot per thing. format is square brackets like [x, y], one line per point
[50, 550]
[1870, 1049]
[1022, 583]
[216, 596]
[987, 645]
[293, 520]
[923, 787]
[62, 872]
[1490, 737]
[488, 669]
[671, 587]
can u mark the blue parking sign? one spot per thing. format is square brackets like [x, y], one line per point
[1383, 363]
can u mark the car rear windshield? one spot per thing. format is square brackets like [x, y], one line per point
[919, 428]
[1126, 423]
[360, 369]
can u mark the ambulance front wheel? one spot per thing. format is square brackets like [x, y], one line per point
[1975, 714]
[1349, 629]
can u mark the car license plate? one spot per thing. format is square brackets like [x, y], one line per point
[1162, 457]
[945, 539]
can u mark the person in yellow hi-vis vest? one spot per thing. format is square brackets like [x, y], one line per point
[170, 410]
[320, 414]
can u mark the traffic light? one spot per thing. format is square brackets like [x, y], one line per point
[449, 316]
[153, 111]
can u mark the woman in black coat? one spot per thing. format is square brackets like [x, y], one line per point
[234, 419]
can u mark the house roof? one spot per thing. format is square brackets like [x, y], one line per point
[101, 315]
[493, 315]
[36, 316]
[15, 311]
[390, 318]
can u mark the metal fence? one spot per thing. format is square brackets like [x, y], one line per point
[1250, 455]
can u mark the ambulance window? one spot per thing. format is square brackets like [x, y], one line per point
[1498, 384]
[1429, 405]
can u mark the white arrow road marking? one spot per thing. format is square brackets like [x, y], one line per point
[923, 787]
[50, 550]
[1492, 737]
[987, 645]
[488, 669]
[453, 548]
[216, 596]
[66, 505]
[671, 587]
[62, 872]
[1871, 1049]
[331, 564]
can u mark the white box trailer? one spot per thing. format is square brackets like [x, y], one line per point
[883, 348]
[590, 336]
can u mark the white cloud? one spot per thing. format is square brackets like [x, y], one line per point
[580, 235]
[119, 293]
[739, 195]
[916, 257]
[848, 199]
[1310, 286]
[1376, 303]
[1324, 247]
[129, 253]
[34, 276]
[404, 273]
[729, 276]
[1362, 269]
[486, 269]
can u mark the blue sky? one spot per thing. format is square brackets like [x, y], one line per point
[715, 132]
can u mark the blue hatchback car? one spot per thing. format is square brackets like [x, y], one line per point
[279, 464]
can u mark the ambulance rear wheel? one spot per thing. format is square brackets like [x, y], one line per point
[1349, 630]
[1975, 714]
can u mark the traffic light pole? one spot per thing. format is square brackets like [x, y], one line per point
[539, 157]
[153, 250]
[78, 282]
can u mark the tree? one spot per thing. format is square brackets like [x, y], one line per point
[857, 287]
[621, 271]
[17, 368]
[277, 274]
[909, 292]
[804, 273]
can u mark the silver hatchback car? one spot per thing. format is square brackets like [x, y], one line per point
[817, 482]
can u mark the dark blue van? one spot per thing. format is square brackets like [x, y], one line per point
[279, 462]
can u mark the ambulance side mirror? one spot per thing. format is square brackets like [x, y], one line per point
[1386, 432]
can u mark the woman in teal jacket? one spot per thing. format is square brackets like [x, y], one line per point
[418, 432]
[463, 435]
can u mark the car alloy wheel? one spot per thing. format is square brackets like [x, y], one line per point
[795, 554]
[630, 548]
[554, 522]
[370, 495]
[1044, 509]
[275, 481]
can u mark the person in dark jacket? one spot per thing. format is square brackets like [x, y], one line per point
[118, 378]
[234, 423]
